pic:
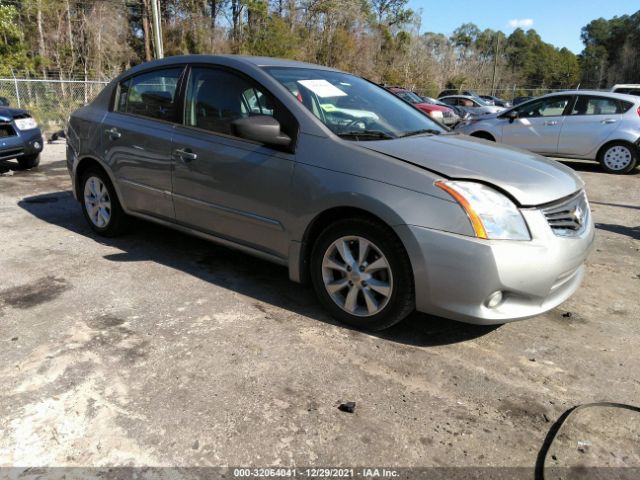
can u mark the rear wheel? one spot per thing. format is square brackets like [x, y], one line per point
[100, 204]
[362, 275]
[618, 157]
[29, 161]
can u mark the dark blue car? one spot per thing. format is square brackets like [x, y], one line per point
[20, 137]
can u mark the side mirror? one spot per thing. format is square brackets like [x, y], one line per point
[261, 128]
[511, 115]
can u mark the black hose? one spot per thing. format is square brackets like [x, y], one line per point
[555, 428]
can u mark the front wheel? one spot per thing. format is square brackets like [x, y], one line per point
[618, 157]
[29, 161]
[362, 274]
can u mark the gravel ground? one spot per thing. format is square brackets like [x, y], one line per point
[160, 349]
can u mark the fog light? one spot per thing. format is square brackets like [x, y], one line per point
[37, 145]
[494, 299]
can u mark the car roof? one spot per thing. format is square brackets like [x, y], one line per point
[226, 59]
[599, 93]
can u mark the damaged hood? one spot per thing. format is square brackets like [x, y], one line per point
[527, 177]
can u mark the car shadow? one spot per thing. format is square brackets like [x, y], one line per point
[9, 165]
[263, 281]
[588, 166]
[631, 232]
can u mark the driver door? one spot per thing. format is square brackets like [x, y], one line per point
[538, 125]
[225, 185]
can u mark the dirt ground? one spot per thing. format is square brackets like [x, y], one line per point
[160, 349]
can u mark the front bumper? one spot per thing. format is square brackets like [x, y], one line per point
[455, 275]
[23, 143]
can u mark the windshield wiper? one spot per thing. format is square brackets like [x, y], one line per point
[423, 131]
[366, 134]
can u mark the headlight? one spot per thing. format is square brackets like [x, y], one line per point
[436, 114]
[26, 123]
[492, 215]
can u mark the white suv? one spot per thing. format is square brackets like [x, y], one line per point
[590, 125]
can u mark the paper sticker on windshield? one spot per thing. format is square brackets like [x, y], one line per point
[322, 88]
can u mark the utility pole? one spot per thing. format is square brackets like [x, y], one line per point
[495, 66]
[157, 29]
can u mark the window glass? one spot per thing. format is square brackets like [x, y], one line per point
[123, 94]
[151, 94]
[409, 97]
[216, 97]
[255, 102]
[628, 91]
[351, 106]
[546, 107]
[596, 106]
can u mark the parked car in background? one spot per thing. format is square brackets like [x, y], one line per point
[628, 89]
[20, 137]
[381, 208]
[441, 113]
[460, 112]
[582, 124]
[496, 101]
[519, 100]
[4, 102]
[449, 92]
[472, 105]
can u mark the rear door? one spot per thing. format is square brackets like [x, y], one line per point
[538, 125]
[223, 184]
[136, 139]
[592, 120]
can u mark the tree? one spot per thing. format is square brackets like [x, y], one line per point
[12, 49]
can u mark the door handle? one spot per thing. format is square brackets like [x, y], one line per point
[551, 122]
[609, 120]
[114, 134]
[186, 155]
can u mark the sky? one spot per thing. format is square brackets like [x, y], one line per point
[558, 22]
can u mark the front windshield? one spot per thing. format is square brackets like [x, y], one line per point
[352, 107]
[409, 97]
[481, 102]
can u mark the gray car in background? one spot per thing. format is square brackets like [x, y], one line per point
[332, 176]
[475, 106]
[582, 124]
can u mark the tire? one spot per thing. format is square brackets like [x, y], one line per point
[618, 157]
[484, 136]
[366, 284]
[108, 219]
[29, 161]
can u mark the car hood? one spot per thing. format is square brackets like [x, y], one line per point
[6, 114]
[430, 107]
[529, 178]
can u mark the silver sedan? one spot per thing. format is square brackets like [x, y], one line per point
[590, 125]
[380, 208]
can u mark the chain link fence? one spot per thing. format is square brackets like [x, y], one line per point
[52, 101]
[49, 101]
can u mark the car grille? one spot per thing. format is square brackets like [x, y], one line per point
[6, 130]
[568, 217]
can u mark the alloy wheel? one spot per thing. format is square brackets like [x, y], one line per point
[357, 276]
[97, 202]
